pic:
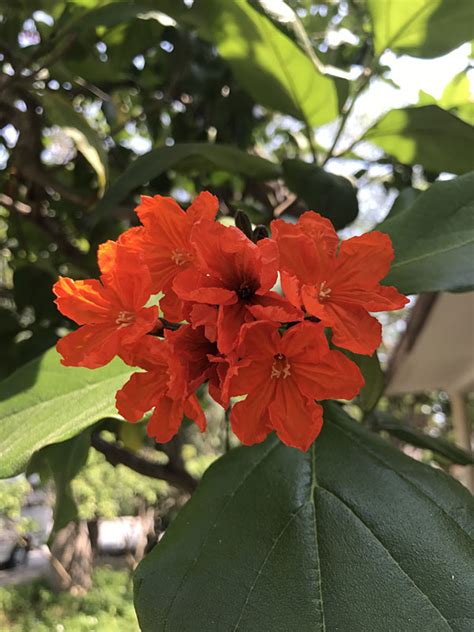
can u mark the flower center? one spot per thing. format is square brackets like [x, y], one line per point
[124, 319]
[280, 366]
[324, 292]
[180, 256]
[245, 291]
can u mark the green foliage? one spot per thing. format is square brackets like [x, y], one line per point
[271, 67]
[273, 539]
[62, 461]
[331, 195]
[447, 451]
[12, 496]
[125, 493]
[374, 378]
[423, 28]
[188, 156]
[60, 112]
[277, 539]
[457, 96]
[434, 239]
[107, 607]
[42, 404]
[427, 136]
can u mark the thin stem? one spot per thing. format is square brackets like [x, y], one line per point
[346, 114]
[312, 146]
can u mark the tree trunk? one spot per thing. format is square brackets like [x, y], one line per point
[71, 559]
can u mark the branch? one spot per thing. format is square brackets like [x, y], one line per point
[115, 454]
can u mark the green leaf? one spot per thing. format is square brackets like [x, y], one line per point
[427, 136]
[434, 239]
[114, 13]
[200, 156]
[422, 28]
[32, 285]
[448, 451]
[458, 95]
[64, 461]
[404, 200]
[327, 193]
[276, 539]
[44, 402]
[61, 112]
[374, 378]
[267, 63]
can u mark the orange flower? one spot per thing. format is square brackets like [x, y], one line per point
[161, 386]
[282, 377]
[111, 311]
[201, 359]
[236, 275]
[340, 288]
[164, 241]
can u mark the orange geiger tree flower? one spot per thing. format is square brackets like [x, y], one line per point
[258, 319]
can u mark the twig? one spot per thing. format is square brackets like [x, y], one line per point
[116, 455]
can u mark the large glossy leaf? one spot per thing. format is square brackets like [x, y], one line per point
[61, 112]
[434, 239]
[199, 156]
[276, 539]
[422, 28]
[267, 63]
[44, 402]
[427, 136]
[327, 193]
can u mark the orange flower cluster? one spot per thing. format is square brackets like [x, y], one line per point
[224, 323]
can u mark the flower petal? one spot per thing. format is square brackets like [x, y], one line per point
[129, 278]
[82, 301]
[249, 418]
[166, 419]
[363, 261]
[229, 322]
[259, 340]
[296, 419]
[193, 411]
[274, 307]
[353, 328]
[90, 346]
[333, 377]
[191, 285]
[204, 206]
[140, 394]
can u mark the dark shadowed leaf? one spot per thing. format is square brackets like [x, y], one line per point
[427, 136]
[441, 447]
[422, 28]
[374, 378]
[32, 285]
[404, 200]
[275, 539]
[198, 156]
[331, 195]
[434, 239]
[43, 403]
[113, 13]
